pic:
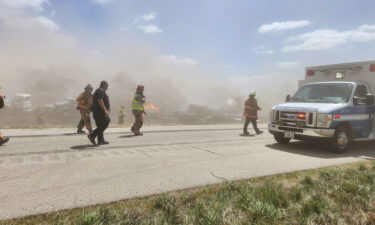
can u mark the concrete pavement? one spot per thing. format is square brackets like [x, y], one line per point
[58, 170]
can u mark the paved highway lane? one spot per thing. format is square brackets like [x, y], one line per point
[57, 170]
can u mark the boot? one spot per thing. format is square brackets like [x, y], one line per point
[79, 131]
[103, 142]
[3, 140]
[91, 139]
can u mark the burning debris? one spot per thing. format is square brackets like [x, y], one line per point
[151, 108]
[21, 112]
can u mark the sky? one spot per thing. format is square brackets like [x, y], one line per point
[241, 37]
[239, 42]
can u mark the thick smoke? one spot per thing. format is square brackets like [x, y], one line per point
[50, 74]
[36, 57]
[58, 75]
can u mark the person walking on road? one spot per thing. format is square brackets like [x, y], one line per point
[251, 113]
[100, 108]
[3, 139]
[121, 115]
[84, 106]
[138, 110]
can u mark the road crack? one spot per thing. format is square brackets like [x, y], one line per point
[206, 150]
[221, 178]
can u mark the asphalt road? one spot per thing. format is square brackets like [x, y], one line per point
[52, 169]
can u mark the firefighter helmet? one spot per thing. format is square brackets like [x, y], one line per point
[88, 87]
[253, 93]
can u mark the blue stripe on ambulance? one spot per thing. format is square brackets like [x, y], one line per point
[359, 117]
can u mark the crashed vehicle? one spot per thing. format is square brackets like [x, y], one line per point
[333, 103]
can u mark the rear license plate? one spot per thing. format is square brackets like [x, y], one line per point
[289, 134]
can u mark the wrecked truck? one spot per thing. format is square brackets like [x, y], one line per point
[334, 103]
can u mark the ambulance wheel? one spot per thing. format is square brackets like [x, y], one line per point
[281, 139]
[341, 140]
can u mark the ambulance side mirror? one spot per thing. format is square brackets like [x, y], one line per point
[287, 99]
[370, 100]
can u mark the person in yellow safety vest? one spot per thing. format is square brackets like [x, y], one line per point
[3, 139]
[138, 110]
[84, 106]
[251, 113]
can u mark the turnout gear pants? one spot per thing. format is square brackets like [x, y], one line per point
[254, 122]
[85, 120]
[138, 121]
[102, 123]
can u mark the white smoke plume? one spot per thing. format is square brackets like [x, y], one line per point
[38, 58]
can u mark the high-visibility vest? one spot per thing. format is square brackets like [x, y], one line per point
[136, 104]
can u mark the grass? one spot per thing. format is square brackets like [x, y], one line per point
[335, 195]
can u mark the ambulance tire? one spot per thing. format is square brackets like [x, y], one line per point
[281, 139]
[341, 140]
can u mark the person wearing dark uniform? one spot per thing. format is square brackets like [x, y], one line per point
[3, 139]
[138, 110]
[251, 113]
[100, 109]
[84, 106]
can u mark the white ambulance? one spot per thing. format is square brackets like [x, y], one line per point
[333, 103]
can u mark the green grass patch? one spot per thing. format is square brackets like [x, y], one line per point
[336, 195]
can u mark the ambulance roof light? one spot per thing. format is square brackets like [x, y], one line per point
[310, 73]
[340, 76]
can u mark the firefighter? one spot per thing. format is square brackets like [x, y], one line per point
[138, 110]
[3, 139]
[121, 115]
[251, 113]
[84, 106]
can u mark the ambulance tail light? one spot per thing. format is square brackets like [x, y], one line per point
[372, 68]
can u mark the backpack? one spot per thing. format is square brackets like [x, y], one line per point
[2, 104]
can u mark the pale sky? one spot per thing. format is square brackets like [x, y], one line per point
[237, 36]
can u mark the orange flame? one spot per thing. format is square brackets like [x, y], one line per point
[152, 107]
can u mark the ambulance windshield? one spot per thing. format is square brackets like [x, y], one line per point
[324, 93]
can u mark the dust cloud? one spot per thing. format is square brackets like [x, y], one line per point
[52, 74]
[39, 59]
